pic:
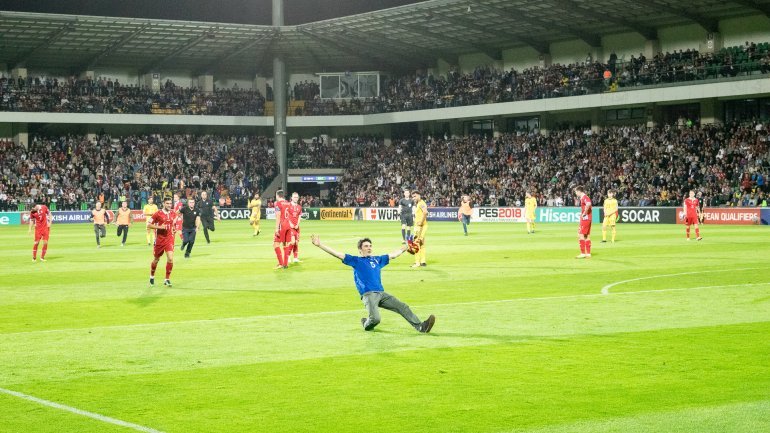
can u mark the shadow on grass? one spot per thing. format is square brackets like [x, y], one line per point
[150, 296]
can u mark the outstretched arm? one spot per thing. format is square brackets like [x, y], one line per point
[398, 252]
[317, 242]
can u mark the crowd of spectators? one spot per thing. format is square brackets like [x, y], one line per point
[73, 172]
[418, 91]
[103, 95]
[645, 166]
[487, 85]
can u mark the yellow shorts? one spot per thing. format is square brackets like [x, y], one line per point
[254, 219]
[610, 220]
[530, 216]
[419, 232]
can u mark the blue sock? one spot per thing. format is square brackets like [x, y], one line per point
[403, 234]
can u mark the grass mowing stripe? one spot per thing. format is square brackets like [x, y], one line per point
[96, 416]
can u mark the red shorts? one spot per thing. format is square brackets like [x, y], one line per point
[42, 235]
[691, 219]
[295, 232]
[584, 228]
[162, 246]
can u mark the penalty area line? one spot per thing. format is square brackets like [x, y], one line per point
[92, 415]
[606, 289]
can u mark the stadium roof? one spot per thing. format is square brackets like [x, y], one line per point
[394, 39]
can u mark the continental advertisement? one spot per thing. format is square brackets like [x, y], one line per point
[337, 213]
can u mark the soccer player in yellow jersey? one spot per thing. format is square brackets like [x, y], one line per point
[255, 204]
[610, 215]
[149, 210]
[420, 227]
[530, 204]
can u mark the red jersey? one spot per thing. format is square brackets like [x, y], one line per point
[178, 205]
[293, 213]
[281, 206]
[691, 205]
[585, 203]
[40, 217]
[161, 218]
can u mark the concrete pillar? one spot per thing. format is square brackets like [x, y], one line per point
[597, 53]
[86, 75]
[279, 100]
[653, 115]
[712, 44]
[545, 60]
[711, 111]
[19, 73]
[260, 83]
[546, 123]
[651, 48]
[150, 81]
[205, 83]
[21, 135]
[456, 128]
[597, 120]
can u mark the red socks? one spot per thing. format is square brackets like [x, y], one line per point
[34, 251]
[688, 232]
[45, 248]
[169, 266]
[697, 235]
[153, 266]
[582, 246]
[286, 253]
[295, 249]
[588, 246]
[279, 255]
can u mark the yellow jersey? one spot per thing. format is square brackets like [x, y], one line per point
[610, 206]
[530, 204]
[256, 208]
[150, 209]
[421, 211]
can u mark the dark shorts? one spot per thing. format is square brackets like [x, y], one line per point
[407, 219]
[208, 223]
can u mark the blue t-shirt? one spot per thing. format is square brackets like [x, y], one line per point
[366, 272]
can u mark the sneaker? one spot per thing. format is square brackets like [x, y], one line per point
[42, 259]
[699, 238]
[187, 256]
[580, 256]
[423, 264]
[688, 239]
[34, 260]
[604, 242]
[297, 260]
[427, 325]
[122, 244]
[167, 282]
[466, 234]
[588, 256]
[98, 246]
[152, 281]
[278, 266]
[416, 265]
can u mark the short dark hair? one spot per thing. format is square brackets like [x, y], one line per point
[279, 193]
[361, 242]
[416, 192]
[580, 188]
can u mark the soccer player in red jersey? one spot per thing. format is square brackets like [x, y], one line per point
[291, 232]
[178, 205]
[164, 223]
[691, 208]
[41, 218]
[279, 241]
[584, 229]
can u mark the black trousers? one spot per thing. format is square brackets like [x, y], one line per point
[124, 230]
[188, 240]
[208, 224]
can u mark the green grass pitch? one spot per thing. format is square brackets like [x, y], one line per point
[524, 340]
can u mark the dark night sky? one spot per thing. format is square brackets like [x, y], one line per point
[228, 11]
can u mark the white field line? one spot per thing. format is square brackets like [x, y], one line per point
[81, 412]
[606, 289]
[331, 313]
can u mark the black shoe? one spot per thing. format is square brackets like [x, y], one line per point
[167, 282]
[423, 264]
[604, 242]
[363, 322]
[367, 328]
[152, 281]
[427, 325]
[187, 256]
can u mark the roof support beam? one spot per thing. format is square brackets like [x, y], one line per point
[492, 52]
[764, 8]
[708, 24]
[112, 47]
[591, 39]
[402, 49]
[217, 63]
[540, 47]
[351, 49]
[51, 38]
[648, 33]
[406, 54]
[157, 63]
